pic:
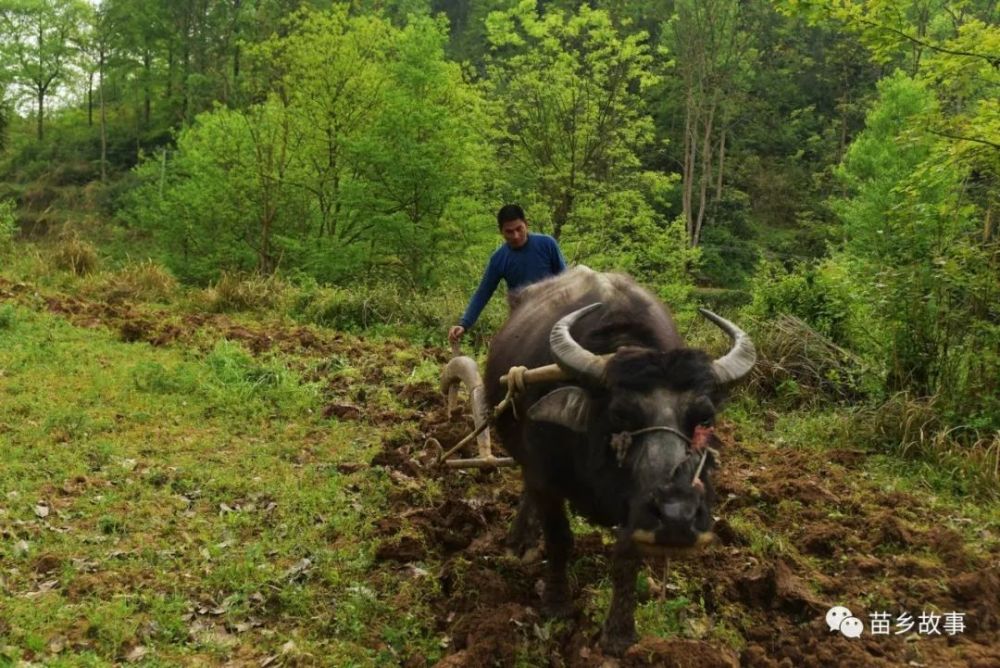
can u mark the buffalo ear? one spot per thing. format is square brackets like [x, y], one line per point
[568, 407]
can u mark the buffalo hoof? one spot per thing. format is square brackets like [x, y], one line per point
[616, 644]
[532, 555]
[527, 551]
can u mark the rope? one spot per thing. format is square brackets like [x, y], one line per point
[622, 441]
[515, 385]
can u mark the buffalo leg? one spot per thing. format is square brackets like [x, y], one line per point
[558, 546]
[618, 633]
[525, 532]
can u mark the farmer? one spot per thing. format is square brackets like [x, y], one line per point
[524, 258]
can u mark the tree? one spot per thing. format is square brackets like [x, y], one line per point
[920, 252]
[567, 89]
[423, 153]
[362, 155]
[42, 38]
[713, 53]
[331, 68]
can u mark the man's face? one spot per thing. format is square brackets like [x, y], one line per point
[515, 233]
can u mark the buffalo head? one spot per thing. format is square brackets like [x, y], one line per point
[653, 410]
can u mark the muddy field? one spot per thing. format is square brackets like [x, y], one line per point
[882, 547]
[800, 531]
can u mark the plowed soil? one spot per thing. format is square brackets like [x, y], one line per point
[845, 543]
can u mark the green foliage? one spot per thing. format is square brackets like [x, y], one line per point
[365, 155]
[814, 293]
[915, 253]
[8, 226]
[568, 92]
[41, 38]
[8, 316]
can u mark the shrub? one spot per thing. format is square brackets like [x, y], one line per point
[139, 281]
[808, 292]
[921, 427]
[8, 316]
[392, 307]
[254, 292]
[8, 225]
[799, 366]
[76, 255]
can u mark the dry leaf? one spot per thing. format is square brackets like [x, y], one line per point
[137, 654]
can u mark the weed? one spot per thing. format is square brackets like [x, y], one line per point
[75, 255]
[8, 225]
[233, 292]
[138, 281]
[761, 543]
[155, 378]
[8, 316]
[109, 525]
[240, 381]
[68, 425]
[112, 624]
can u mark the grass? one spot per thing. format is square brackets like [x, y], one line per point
[180, 516]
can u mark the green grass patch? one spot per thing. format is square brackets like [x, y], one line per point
[184, 502]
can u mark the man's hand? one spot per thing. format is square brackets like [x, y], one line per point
[455, 333]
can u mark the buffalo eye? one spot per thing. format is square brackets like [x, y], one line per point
[701, 413]
[622, 415]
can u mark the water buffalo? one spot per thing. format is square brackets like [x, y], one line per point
[616, 423]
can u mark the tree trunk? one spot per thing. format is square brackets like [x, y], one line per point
[706, 175]
[41, 111]
[561, 215]
[40, 86]
[90, 99]
[687, 168]
[722, 160]
[104, 120]
[147, 67]
[236, 47]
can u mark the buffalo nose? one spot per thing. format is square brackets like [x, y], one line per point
[672, 510]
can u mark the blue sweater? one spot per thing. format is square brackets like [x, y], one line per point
[538, 258]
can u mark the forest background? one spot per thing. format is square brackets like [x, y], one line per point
[826, 171]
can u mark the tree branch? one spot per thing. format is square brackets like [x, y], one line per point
[993, 60]
[972, 139]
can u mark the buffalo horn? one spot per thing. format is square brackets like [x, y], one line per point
[570, 355]
[741, 357]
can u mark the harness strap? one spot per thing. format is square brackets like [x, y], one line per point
[622, 441]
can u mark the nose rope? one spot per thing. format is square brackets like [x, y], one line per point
[622, 441]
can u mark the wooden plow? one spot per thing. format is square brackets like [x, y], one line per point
[463, 370]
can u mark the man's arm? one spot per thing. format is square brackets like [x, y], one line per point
[487, 286]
